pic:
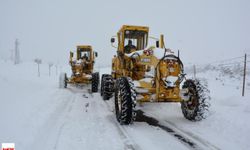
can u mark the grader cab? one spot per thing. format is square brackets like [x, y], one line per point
[149, 73]
[82, 68]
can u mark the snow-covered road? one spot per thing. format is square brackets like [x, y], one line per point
[78, 122]
[35, 113]
[84, 121]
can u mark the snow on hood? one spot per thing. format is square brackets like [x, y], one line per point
[157, 52]
[77, 62]
[88, 76]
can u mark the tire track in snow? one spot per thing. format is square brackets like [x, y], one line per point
[59, 133]
[53, 123]
[129, 144]
[191, 135]
[189, 139]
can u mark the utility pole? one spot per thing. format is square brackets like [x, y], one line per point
[244, 75]
[16, 53]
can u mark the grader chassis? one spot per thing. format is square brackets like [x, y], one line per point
[146, 73]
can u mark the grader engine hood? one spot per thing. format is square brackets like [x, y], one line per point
[161, 65]
[151, 55]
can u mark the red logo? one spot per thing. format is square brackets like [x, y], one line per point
[8, 146]
[148, 52]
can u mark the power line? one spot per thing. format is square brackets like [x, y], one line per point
[225, 60]
[233, 63]
[231, 85]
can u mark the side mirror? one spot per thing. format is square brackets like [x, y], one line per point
[112, 40]
[96, 54]
[157, 44]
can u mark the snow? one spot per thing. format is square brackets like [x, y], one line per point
[35, 113]
[157, 52]
[170, 81]
[149, 80]
[78, 62]
[88, 76]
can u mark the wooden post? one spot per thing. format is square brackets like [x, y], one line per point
[38, 61]
[244, 75]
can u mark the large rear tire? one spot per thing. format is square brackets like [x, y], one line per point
[196, 108]
[63, 80]
[125, 101]
[95, 82]
[107, 86]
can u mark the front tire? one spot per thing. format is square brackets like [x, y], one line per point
[107, 86]
[102, 82]
[95, 82]
[124, 101]
[196, 108]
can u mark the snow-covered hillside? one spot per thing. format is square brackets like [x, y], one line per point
[36, 114]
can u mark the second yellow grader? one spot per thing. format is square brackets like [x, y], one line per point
[82, 68]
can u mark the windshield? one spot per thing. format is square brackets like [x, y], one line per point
[135, 39]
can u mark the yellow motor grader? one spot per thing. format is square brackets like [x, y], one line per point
[143, 73]
[82, 68]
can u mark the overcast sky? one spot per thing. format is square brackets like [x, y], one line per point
[203, 30]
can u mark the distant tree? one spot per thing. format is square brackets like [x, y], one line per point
[38, 62]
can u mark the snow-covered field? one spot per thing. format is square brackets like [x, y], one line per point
[36, 114]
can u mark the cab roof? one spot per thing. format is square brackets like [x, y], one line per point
[133, 27]
[84, 47]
